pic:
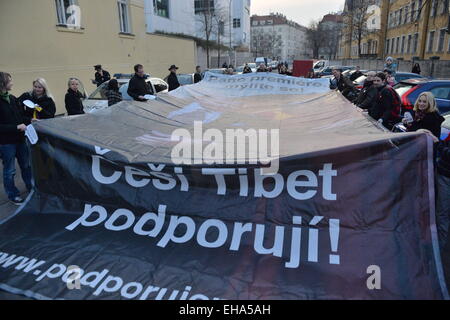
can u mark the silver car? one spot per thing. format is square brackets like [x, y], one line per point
[97, 100]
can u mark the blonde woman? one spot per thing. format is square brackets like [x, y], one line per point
[426, 115]
[73, 99]
[40, 96]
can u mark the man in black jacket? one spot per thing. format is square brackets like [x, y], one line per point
[387, 106]
[344, 85]
[368, 93]
[101, 75]
[13, 125]
[138, 87]
[172, 79]
[356, 74]
[197, 75]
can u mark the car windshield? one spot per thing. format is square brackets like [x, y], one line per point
[402, 88]
[252, 65]
[185, 79]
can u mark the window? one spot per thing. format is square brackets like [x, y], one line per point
[408, 49]
[406, 15]
[441, 40]
[441, 93]
[403, 44]
[68, 13]
[415, 42]
[419, 9]
[444, 6]
[387, 45]
[161, 8]
[203, 5]
[434, 4]
[411, 15]
[431, 41]
[397, 45]
[393, 45]
[124, 16]
[236, 23]
[255, 23]
[221, 28]
[400, 16]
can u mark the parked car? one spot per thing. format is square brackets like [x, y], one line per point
[253, 66]
[328, 70]
[98, 100]
[410, 89]
[218, 70]
[184, 78]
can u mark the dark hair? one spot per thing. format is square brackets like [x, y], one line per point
[137, 67]
[381, 75]
[337, 69]
[388, 71]
[197, 67]
[4, 79]
[113, 85]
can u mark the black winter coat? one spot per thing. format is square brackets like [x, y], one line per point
[11, 115]
[344, 85]
[387, 106]
[139, 87]
[46, 103]
[197, 77]
[367, 96]
[432, 121]
[74, 104]
[443, 163]
[101, 79]
[172, 80]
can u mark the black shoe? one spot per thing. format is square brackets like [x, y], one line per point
[17, 201]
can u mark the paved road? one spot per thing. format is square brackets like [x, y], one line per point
[6, 207]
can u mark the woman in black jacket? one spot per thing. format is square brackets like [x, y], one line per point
[40, 95]
[426, 115]
[13, 125]
[74, 104]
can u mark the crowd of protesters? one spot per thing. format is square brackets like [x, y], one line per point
[377, 97]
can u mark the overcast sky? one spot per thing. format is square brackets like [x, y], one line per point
[301, 11]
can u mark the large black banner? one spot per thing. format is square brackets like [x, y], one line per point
[348, 215]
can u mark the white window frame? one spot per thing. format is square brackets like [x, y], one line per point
[155, 9]
[439, 40]
[61, 11]
[431, 41]
[124, 26]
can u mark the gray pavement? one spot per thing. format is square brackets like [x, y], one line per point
[6, 207]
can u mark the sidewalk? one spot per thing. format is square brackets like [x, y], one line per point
[6, 207]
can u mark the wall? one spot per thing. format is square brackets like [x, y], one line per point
[38, 48]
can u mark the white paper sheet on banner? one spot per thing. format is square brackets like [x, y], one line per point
[31, 134]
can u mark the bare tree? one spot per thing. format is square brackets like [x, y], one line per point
[266, 44]
[316, 36]
[205, 15]
[358, 14]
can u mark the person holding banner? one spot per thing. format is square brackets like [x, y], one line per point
[426, 115]
[74, 105]
[13, 124]
[40, 96]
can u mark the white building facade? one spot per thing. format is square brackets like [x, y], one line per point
[276, 37]
[230, 22]
[170, 16]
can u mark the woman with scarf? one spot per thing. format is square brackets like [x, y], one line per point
[13, 124]
[426, 115]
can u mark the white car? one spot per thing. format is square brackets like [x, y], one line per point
[98, 100]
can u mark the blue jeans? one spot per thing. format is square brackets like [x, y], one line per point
[9, 153]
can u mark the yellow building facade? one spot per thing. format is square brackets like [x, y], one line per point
[36, 44]
[410, 29]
